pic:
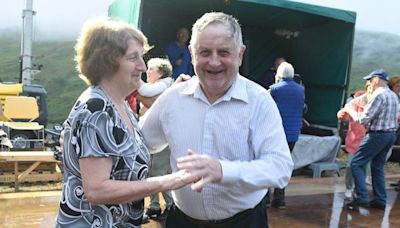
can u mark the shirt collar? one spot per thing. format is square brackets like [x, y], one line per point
[237, 91]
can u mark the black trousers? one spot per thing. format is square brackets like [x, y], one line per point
[251, 218]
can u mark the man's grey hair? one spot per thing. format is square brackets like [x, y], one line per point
[285, 70]
[217, 18]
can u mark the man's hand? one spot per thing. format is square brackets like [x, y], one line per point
[203, 168]
[182, 78]
[342, 115]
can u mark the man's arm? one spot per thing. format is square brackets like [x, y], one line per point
[371, 109]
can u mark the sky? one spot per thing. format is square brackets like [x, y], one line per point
[60, 18]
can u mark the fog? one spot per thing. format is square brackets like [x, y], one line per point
[64, 18]
[54, 18]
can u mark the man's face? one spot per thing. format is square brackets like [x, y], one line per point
[216, 60]
[183, 35]
[373, 83]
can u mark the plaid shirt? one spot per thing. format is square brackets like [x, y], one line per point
[380, 113]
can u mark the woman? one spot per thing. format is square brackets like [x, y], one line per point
[355, 134]
[105, 159]
[158, 80]
[394, 85]
[158, 74]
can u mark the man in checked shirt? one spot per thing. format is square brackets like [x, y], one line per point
[380, 119]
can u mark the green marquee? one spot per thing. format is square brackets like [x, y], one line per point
[317, 40]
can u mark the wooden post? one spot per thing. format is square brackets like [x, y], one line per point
[16, 176]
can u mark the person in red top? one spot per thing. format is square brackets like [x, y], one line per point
[355, 134]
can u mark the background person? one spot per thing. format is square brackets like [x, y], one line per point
[105, 161]
[179, 55]
[235, 155]
[289, 97]
[355, 134]
[394, 85]
[268, 77]
[158, 74]
[380, 119]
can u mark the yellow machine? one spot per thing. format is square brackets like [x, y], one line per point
[18, 117]
[8, 90]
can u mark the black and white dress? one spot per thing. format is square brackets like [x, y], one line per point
[95, 129]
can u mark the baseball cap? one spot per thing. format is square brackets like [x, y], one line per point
[381, 73]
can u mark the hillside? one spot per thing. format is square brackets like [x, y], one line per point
[59, 77]
[373, 50]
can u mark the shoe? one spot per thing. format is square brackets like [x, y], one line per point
[355, 204]
[374, 204]
[145, 219]
[279, 204]
[348, 193]
[164, 215]
[151, 212]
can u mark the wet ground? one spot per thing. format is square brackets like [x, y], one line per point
[310, 203]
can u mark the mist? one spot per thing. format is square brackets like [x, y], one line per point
[54, 19]
[63, 19]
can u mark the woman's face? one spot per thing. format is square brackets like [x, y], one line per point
[153, 74]
[396, 88]
[131, 67]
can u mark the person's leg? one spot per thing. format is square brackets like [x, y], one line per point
[349, 176]
[377, 169]
[279, 198]
[154, 206]
[168, 199]
[364, 154]
[279, 193]
[159, 166]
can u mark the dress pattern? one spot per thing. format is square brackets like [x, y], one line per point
[95, 129]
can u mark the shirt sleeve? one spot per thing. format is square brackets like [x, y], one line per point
[272, 165]
[150, 126]
[371, 110]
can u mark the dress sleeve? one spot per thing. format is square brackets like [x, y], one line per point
[96, 133]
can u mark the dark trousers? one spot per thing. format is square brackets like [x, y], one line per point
[251, 218]
[279, 193]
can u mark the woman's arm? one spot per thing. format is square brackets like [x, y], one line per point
[146, 101]
[100, 189]
[151, 90]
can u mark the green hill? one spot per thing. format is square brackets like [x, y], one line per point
[58, 75]
[371, 50]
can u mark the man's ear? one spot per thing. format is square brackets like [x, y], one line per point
[191, 50]
[241, 54]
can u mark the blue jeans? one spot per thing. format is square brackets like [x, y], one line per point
[374, 148]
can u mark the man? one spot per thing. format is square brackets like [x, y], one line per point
[289, 96]
[224, 129]
[178, 54]
[268, 77]
[380, 119]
